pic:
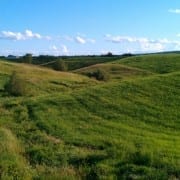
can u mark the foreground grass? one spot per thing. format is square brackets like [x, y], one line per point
[12, 164]
[126, 129]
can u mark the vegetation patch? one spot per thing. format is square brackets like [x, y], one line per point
[99, 74]
[17, 86]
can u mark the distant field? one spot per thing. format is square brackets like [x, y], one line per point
[71, 126]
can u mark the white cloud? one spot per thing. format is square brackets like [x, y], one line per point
[26, 35]
[64, 49]
[54, 48]
[83, 40]
[80, 40]
[11, 35]
[30, 34]
[152, 46]
[164, 41]
[144, 44]
[120, 39]
[176, 11]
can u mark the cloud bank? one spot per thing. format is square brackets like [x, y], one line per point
[144, 44]
[28, 34]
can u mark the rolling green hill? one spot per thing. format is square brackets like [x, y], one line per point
[74, 62]
[158, 63]
[115, 71]
[69, 126]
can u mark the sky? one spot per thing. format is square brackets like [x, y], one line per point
[88, 27]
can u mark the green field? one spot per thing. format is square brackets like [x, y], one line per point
[69, 126]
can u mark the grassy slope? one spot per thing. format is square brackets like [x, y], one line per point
[13, 164]
[125, 129]
[79, 62]
[42, 80]
[75, 62]
[158, 63]
[116, 71]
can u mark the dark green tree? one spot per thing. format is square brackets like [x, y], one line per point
[99, 74]
[27, 58]
[109, 54]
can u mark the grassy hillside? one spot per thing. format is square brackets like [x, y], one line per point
[158, 63]
[115, 71]
[41, 80]
[74, 127]
[73, 62]
[79, 62]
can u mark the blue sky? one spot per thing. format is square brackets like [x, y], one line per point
[80, 27]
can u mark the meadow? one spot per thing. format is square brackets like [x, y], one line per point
[67, 125]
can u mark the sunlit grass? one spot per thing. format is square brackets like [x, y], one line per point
[74, 127]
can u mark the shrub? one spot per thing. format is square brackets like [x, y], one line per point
[131, 171]
[140, 158]
[60, 66]
[27, 59]
[99, 74]
[109, 54]
[16, 86]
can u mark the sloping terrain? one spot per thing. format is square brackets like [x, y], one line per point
[116, 71]
[74, 62]
[74, 127]
[42, 80]
[158, 63]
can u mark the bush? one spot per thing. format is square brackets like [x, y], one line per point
[141, 158]
[109, 54]
[60, 66]
[27, 59]
[16, 86]
[99, 74]
[131, 171]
